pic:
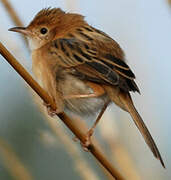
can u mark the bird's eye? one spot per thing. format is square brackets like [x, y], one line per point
[43, 31]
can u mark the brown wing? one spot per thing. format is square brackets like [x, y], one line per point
[95, 57]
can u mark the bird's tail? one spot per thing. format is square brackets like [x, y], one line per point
[129, 106]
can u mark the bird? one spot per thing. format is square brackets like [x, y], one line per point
[82, 68]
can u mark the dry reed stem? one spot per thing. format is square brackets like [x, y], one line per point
[13, 164]
[68, 122]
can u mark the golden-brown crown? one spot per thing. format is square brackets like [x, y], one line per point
[55, 16]
[47, 16]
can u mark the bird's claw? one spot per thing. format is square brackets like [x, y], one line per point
[87, 142]
[50, 111]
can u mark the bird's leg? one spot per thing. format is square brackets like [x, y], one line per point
[91, 130]
[97, 91]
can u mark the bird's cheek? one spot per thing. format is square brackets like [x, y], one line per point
[34, 43]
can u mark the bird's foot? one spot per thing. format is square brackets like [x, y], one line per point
[50, 111]
[87, 142]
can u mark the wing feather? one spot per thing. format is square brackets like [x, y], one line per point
[79, 50]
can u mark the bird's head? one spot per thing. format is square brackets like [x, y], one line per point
[48, 24]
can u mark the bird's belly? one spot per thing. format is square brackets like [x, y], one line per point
[71, 86]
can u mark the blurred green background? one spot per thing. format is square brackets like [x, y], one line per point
[142, 28]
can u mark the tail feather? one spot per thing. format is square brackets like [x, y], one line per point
[129, 106]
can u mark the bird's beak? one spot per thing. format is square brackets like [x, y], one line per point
[22, 30]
